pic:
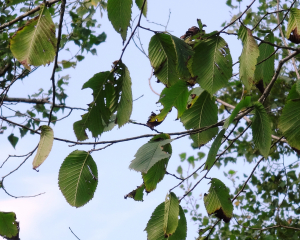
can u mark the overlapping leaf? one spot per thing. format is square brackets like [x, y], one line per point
[139, 3]
[265, 70]
[163, 58]
[45, 146]
[35, 43]
[119, 13]
[9, 227]
[171, 214]
[203, 113]
[217, 201]
[261, 130]
[248, 58]
[212, 63]
[294, 22]
[78, 178]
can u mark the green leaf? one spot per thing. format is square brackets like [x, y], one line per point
[119, 13]
[180, 233]
[265, 70]
[298, 86]
[68, 64]
[13, 2]
[136, 194]
[35, 43]
[79, 57]
[183, 54]
[289, 122]
[212, 63]
[246, 102]
[218, 200]
[261, 130]
[13, 140]
[248, 58]
[163, 59]
[294, 22]
[139, 3]
[203, 113]
[211, 157]
[149, 154]
[9, 227]
[124, 109]
[45, 146]
[171, 214]
[78, 178]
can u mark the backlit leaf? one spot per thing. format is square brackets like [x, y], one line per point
[181, 231]
[9, 227]
[35, 43]
[78, 178]
[45, 146]
[171, 214]
[294, 22]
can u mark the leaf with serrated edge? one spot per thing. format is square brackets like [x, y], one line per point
[294, 21]
[171, 214]
[218, 200]
[246, 102]
[261, 130]
[211, 157]
[180, 233]
[45, 146]
[8, 225]
[248, 58]
[139, 3]
[119, 13]
[149, 154]
[78, 178]
[35, 43]
[162, 56]
[203, 113]
[265, 70]
[212, 63]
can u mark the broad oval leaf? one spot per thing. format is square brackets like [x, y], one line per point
[261, 130]
[171, 214]
[35, 43]
[211, 157]
[119, 13]
[78, 178]
[45, 146]
[218, 200]
[293, 23]
[149, 154]
[248, 58]
[9, 227]
[212, 63]
[203, 113]
[163, 59]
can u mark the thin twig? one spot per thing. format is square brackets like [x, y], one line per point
[74, 234]
[171, 174]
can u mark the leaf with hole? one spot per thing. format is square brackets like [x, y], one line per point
[9, 227]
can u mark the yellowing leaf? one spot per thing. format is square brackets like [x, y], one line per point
[45, 146]
[35, 43]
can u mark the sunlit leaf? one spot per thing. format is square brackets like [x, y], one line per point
[78, 178]
[35, 43]
[171, 214]
[9, 227]
[181, 231]
[45, 146]
[293, 23]
[217, 201]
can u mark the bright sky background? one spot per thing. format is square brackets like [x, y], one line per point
[107, 216]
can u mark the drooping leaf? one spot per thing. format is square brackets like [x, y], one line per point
[136, 194]
[149, 154]
[248, 58]
[265, 70]
[125, 104]
[203, 113]
[176, 96]
[78, 178]
[246, 102]
[289, 122]
[163, 58]
[212, 63]
[13, 140]
[119, 13]
[35, 43]
[45, 146]
[217, 201]
[180, 233]
[293, 24]
[211, 157]
[139, 3]
[171, 214]
[183, 53]
[9, 227]
[261, 130]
